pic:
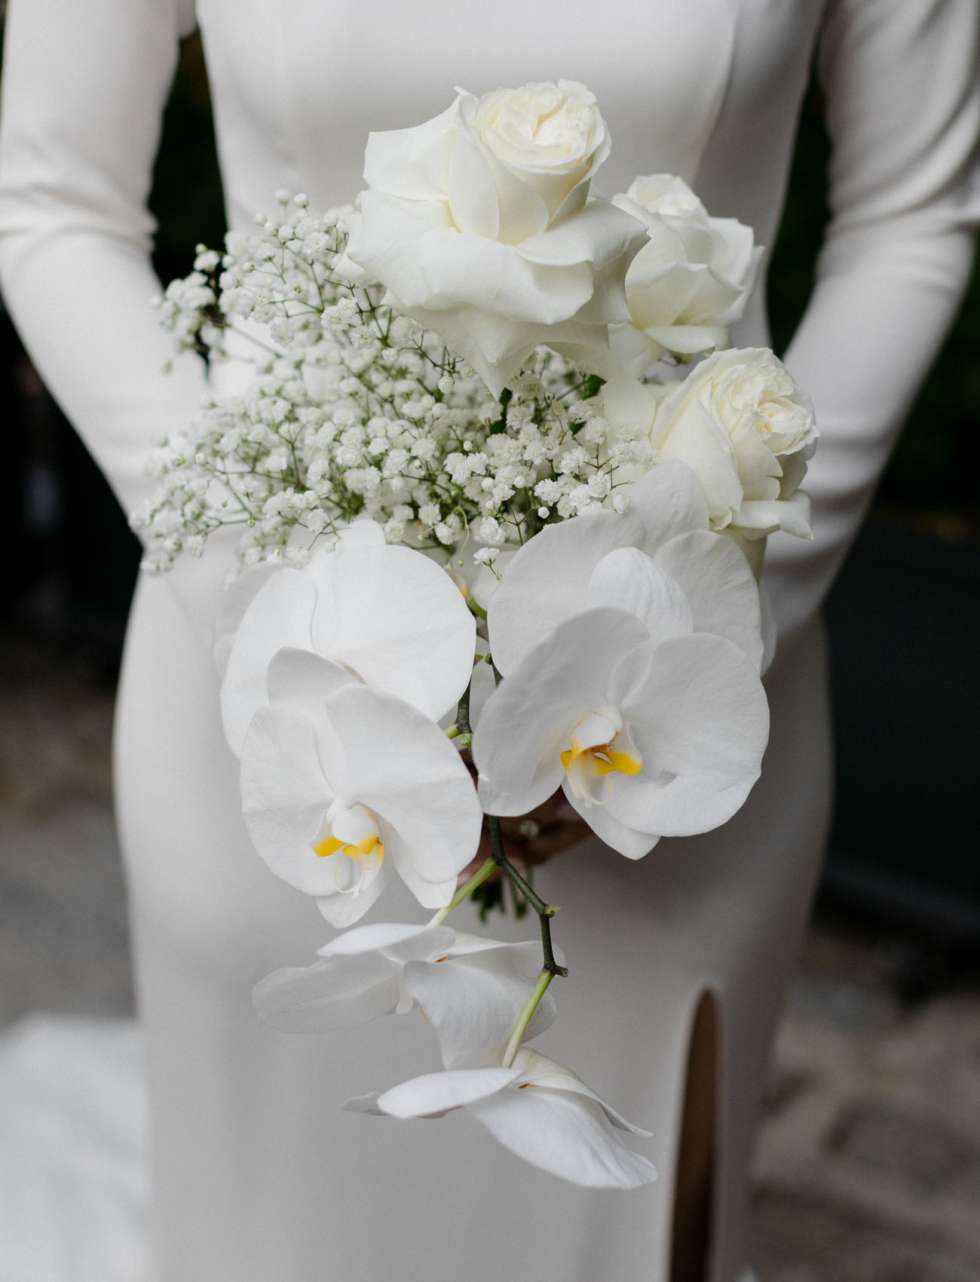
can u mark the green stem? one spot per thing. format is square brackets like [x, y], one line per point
[525, 1017]
[545, 911]
[463, 713]
[485, 871]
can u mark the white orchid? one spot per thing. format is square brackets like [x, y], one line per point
[357, 978]
[539, 1110]
[473, 1003]
[374, 970]
[651, 728]
[387, 614]
[343, 785]
[703, 578]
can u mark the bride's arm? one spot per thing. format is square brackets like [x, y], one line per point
[84, 87]
[902, 82]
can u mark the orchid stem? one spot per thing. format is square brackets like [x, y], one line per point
[486, 870]
[545, 911]
[525, 1017]
[463, 713]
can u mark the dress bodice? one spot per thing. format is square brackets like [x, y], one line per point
[298, 87]
[708, 89]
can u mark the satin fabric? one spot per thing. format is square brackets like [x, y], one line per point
[257, 1173]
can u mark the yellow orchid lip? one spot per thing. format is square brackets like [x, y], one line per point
[357, 850]
[601, 760]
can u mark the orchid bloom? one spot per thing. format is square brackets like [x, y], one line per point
[703, 575]
[386, 613]
[343, 785]
[539, 1110]
[361, 975]
[651, 728]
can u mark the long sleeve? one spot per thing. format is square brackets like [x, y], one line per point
[84, 88]
[902, 84]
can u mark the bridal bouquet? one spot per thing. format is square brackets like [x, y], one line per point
[504, 494]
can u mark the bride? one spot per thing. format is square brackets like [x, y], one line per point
[258, 1177]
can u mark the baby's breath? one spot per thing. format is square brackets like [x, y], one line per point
[355, 411]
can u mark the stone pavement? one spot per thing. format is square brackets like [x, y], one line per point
[868, 1167]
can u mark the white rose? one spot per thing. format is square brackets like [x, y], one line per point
[480, 225]
[551, 139]
[689, 282]
[743, 425]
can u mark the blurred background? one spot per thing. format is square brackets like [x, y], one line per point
[869, 1167]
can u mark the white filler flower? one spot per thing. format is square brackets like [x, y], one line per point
[689, 282]
[539, 1110]
[549, 580]
[479, 223]
[387, 614]
[343, 785]
[652, 729]
[741, 422]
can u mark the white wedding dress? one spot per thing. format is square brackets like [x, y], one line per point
[258, 1174]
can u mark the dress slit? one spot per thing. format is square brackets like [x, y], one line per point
[692, 1227]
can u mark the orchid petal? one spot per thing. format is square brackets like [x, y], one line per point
[279, 615]
[473, 1000]
[628, 579]
[528, 721]
[435, 1094]
[301, 679]
[237, 598]
[285, 796]
[400, 765]
[610, 830]
[719, 586]
[566, 1134]
[340, 993]
[532, 600]
[701, 723]
[399, 941]
[394, 617]
[539, 1070]
[342, 907]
